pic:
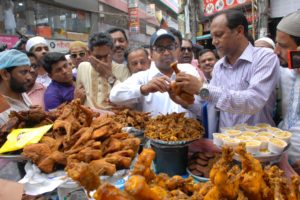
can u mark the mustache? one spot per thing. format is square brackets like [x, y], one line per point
[119, 48]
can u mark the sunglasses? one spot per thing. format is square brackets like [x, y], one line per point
[184, 49]
[80, 54]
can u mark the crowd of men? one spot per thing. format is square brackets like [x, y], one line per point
[240, 82]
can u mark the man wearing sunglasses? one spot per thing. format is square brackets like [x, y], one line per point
[186, 52]
[39, 47]
[148, 90]
[78, 53]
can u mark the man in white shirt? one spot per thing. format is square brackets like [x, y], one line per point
[288, 38]
[148, 90]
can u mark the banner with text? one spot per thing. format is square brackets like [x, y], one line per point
[214, 6]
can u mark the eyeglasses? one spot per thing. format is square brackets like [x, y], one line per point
[184, 49]
[162, 49]
[80, 54]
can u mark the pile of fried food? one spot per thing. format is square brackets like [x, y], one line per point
[173, 127]
[131, 118]
[227, 181]
[79, 136]
[188, 98]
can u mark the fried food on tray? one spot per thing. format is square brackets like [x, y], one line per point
[130, 118]
[174, 127]
[82, 173]
[139, 189]
[110, 192]
[143, 165]
[188, 98]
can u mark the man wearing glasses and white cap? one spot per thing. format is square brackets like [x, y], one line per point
[39, 47]
[149, 90]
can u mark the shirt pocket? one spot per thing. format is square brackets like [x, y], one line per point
[242, 84]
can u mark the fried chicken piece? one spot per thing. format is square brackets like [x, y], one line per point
[47, 165]
[251, 177]
[103, 166]
[36, 152]
[131, 143]
[143, 165]
[84, 137]
[110, 192]
[51, 142]
[111, 145]
[188, 98]
[84, 174]
[88, 154]
[122, 159]
[139, 189]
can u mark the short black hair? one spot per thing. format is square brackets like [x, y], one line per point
[52, 58]
[296, 39]
[114, 29]
[235, 18]
[176, 33]
[200, 53]
[100, 39]
[132, 49]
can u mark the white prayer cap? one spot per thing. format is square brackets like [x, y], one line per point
[290, 24]
[267, 40]
[34, 41]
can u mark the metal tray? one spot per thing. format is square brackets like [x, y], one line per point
[12, 157]
[198, 178]
[171, 143]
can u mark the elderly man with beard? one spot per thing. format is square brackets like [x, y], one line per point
[288, 38]
[149, 90]
[15, 80]
[120, 45]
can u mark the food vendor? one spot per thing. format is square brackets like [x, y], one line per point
[15, 79]
[243, 84]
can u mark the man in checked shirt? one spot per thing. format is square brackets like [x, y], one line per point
[242, 89]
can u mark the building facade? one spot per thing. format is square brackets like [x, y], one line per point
[62, 21]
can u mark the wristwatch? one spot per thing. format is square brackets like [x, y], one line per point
[204, 92]
[111, 80]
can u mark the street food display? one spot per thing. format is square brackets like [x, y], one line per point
[130, 118]
[227, 181]
[260, 140]
[173, 127]
[78, 136]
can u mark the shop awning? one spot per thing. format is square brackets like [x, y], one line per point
[88, 5]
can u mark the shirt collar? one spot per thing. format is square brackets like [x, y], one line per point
[154, 71]
[247, 55]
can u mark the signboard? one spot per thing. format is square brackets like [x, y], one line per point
[214, 6]
[172, 4]
[10, 40]
[134, 20]
[133, 3]
[61, 46]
